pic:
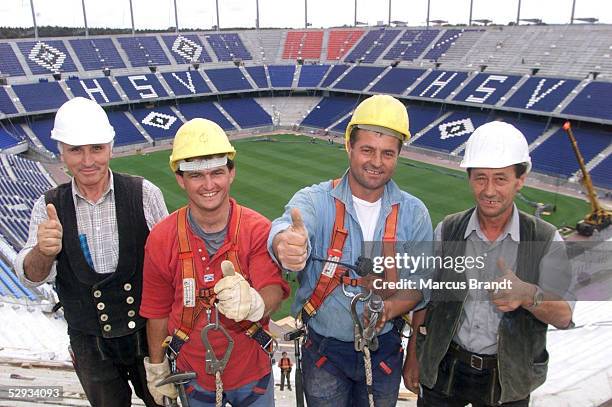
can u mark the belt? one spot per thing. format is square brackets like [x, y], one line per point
[474, 360]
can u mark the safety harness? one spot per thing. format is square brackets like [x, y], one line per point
[197, 299]
[334, 275]
[204, 298]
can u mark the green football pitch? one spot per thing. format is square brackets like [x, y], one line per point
[270, 170]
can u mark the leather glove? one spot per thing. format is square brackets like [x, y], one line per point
[157, 372]
[237, 299]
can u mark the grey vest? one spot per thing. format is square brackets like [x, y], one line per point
[521, 346]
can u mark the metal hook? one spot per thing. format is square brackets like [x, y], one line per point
[214, 365]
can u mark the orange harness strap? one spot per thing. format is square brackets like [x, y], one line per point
[196, 300]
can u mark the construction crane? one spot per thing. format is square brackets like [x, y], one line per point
[599, 218]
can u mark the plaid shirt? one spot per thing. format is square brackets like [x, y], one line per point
[98, 222]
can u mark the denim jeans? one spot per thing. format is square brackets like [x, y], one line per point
[334, 373]
[251, 394]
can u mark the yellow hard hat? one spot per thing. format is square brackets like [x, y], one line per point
[198, 138]
[382, 113]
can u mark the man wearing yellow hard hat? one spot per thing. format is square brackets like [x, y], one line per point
[209, 283]
[360, 216]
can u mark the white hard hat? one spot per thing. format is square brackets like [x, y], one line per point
[496, 145]
[81, 121]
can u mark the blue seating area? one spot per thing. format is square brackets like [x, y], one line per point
[328, 111]
[592, 101]
[228, 79]
[9, 64]
[10, 284]
[439, 84]
[97, 53]
[18, 192]
[359, 77]
[258, 74]
[487, 88]
[29, 171]
[42, 96]
[311, 75]
[246, 112]
[452, 132]
[159, 122]
[10, 135]
[141, 87]
[443, 44]
[47, 57]
[542, 94]
[422, 115]
[556, 157]
[42, 130]
[206, 110]
[186, 48]
[228, 47]
[6, 104]
[532, 128]
[411, 44]
[186, 83]
[143, 51]
[15, 208]
[333, 74]
[372, 45]
[397, 80]
[341, 126]
[125, 131]
[281, 76]
[602, 173]
[99, 89]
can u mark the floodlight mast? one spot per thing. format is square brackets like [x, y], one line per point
[34, 19]
[85, 19]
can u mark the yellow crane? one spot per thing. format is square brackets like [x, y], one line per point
[599, 218]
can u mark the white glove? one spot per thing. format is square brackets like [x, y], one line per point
[156, 372]
[237, 299]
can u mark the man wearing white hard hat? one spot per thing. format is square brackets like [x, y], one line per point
[88, 236]
[209, 280]
[483, 340]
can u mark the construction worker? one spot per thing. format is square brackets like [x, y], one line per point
[331, 221]
[285, 366]
[496, 354]
[89, 235]
[209, 281]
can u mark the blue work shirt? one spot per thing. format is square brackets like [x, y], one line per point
[317, 207]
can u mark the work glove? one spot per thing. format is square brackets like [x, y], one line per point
[156, 372]
[237, 300]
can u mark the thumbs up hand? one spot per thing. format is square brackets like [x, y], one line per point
[291, 245]
[519, 293]
[237, 300]
[50, 233]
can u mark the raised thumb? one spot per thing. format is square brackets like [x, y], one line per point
[297, 222]
[52, 212]
[501, 263]
[227, 268]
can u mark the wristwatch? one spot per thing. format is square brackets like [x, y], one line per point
[538, 297]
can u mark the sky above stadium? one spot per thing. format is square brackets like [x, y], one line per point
[159, 14]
